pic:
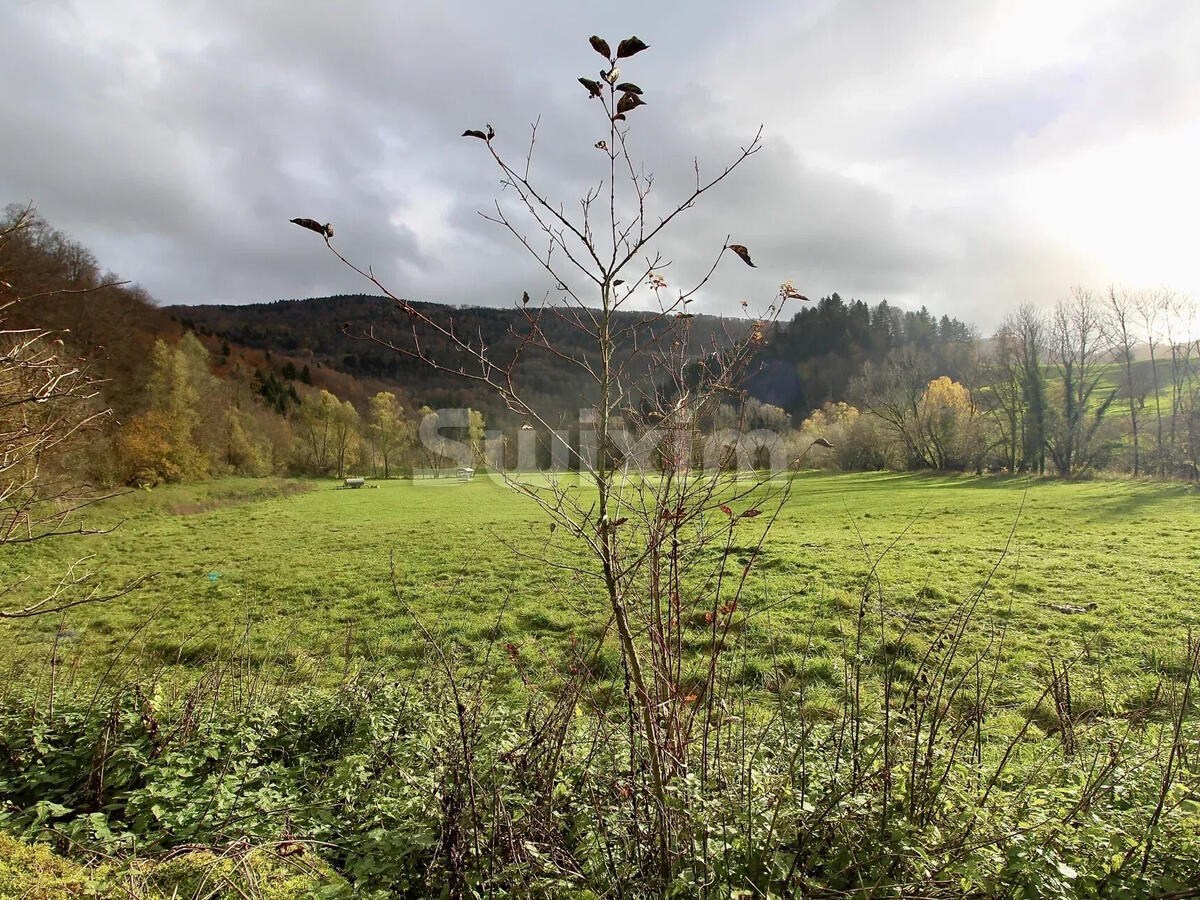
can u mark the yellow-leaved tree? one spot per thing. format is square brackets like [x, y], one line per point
[390, 431]
[168, 441]
[328, 431]
[948, 426]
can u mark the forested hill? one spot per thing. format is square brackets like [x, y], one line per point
[808, 361]
[325, 332]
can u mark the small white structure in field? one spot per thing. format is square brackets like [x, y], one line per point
[354, 482]
[466, 473]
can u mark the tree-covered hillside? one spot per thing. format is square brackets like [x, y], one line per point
[809, 360]
[366, 337]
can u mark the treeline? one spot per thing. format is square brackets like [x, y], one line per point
[809, 361]
[54, 285]
[1098, 382]
[197, 424]
[297, 387]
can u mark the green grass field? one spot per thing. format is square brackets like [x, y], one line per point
[299, 571]
[132, 739]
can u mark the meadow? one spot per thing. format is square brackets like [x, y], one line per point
[297, 574]
[263, 718]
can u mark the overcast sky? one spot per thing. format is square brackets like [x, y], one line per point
[965, 156]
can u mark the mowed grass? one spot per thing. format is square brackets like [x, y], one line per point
[297, 574]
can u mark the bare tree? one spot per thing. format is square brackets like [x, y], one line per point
[1151, 307]
[1003, 398]
[1080, 348]
[1028, 329]
[654, 511]
[1181, 317]
[892, 391]
[1121, 309]
[1190, 414]
[47, 403]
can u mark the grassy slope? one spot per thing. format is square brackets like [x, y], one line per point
[309, 571]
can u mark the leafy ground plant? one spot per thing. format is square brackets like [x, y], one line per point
[383, 787]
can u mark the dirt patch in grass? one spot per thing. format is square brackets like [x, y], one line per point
[192, 507]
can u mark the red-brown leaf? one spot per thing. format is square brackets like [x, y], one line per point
[743, 254]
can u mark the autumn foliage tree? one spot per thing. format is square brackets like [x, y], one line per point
[858, 440]
[390, 431]
[167, 441]
[328, 431]
[949, 429]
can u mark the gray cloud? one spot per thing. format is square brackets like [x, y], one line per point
[176, 141]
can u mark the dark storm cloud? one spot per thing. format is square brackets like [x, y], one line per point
[177, 140]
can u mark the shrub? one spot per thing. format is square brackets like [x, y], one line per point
[860, 441]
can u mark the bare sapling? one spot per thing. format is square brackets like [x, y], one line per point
[669, 532]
